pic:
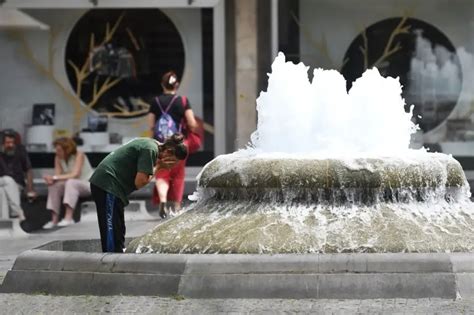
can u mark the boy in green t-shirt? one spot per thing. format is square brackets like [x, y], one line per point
[124, 170]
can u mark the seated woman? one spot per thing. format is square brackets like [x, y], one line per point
[70, 181]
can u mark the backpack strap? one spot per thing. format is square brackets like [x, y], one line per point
[184, 102]
[157, 99]
[169, 105]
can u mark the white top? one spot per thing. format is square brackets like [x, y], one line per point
[86, 170]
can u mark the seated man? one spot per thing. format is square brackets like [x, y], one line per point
[14, 167]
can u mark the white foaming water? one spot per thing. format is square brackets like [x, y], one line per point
[320, 117]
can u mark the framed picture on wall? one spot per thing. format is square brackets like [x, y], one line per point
[97, 123]
[43, 114]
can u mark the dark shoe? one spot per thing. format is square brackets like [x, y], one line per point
[162, 212]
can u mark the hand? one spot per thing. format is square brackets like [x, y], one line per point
[31, 195]
[167, 162]
[48, 179]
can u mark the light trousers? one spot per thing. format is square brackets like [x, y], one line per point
[66, 192]
[9, 197]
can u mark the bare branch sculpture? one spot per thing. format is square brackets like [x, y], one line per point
[389, 48]
[365, 49]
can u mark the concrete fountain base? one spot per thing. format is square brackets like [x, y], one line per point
[265, 205]
[67, 268]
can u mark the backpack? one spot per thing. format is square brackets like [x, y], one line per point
[165, 126]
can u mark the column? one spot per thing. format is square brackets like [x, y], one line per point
[246, 70]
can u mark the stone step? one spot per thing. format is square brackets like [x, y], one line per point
[324, 276]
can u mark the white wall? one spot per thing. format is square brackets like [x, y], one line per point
[22, 85]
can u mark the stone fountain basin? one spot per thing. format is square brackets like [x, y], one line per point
[69, 267]
[268, 205]
[331, 180]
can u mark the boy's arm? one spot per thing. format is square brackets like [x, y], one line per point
[142, 179]
[145, 167]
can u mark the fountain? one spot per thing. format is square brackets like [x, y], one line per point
[328, 201]
[327, 171]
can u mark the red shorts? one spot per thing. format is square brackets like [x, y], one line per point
[175, 178]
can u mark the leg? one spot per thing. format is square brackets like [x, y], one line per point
[4, 208]
[12, 193]
[119, 226]
[162, 187]
[99, 195]
[74, 189]
[175, 193]
[110, 214]
[55, 193]
[115, 241]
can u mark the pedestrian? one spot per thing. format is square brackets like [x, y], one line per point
[72, 171]
[15, 167]
[170, 113]
[123, 171]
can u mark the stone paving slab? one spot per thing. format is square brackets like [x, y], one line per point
[46, 304]
[10, 247]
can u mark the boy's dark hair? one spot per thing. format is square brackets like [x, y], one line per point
[176, 144]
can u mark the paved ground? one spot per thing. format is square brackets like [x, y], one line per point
[34, 304]
[13, 244]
